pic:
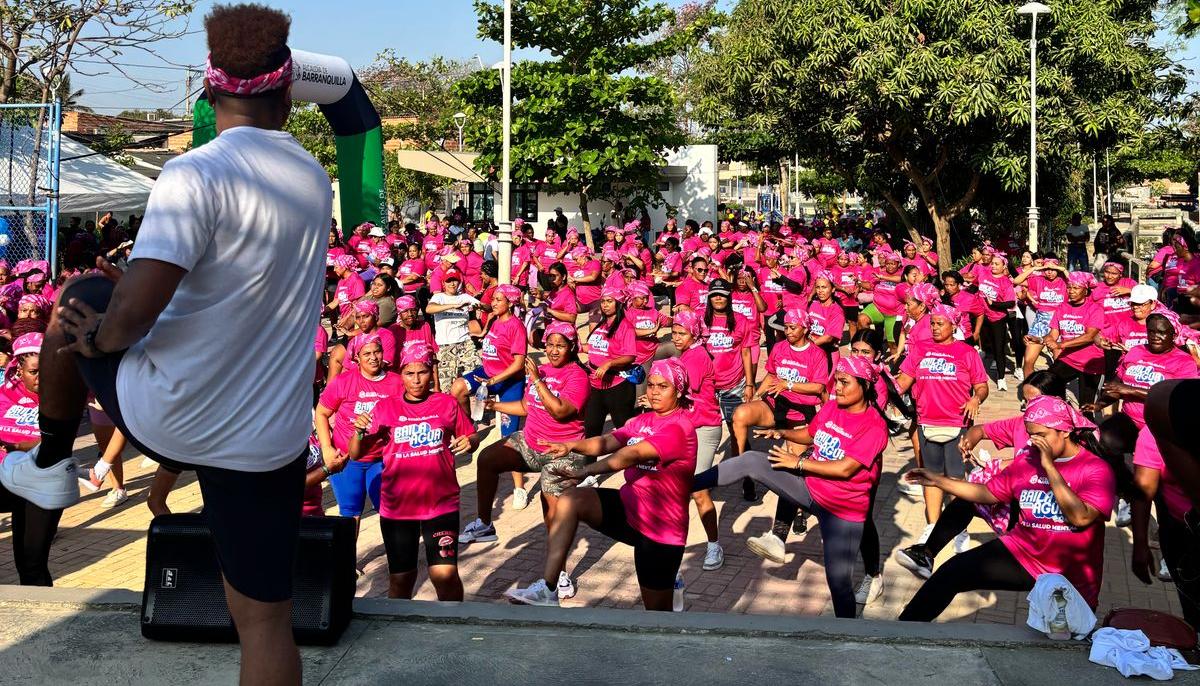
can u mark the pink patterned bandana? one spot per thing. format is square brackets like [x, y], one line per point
[227, 83]
[674, 372]
[417, 353]
[858, 366]
[1055, 413]
[563, 329]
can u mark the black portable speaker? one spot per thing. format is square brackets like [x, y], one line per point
[184, 598]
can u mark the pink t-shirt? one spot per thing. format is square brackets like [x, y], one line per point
[656, 495]
[886, 299]
[1113, 306]
[809, 364]
[1128, 331]
[828, 319]
[471, 265]
[917, 334]
[418, 468]
[1141, 368]
[569, 383]
[602, 348]
[847, 278]
[771, 291]
[349, 289]
[1042, 541]
[701, 389]
[1170, 266]
[827, 250]
[406, 337]
[18, 414]
[692, 293]
[944, 376]
[743, 303]
[1005, 433]
[1073, 321]
[1189, 274]
[797, 300]
[504, 341]
[839, 434]
[969, 303]
[645, 348]
[352, 394]
[586, 293]
[1047, 295]
[1146, 454]
[563, 300]
[997, 289]
[387, 342]
[726, 349]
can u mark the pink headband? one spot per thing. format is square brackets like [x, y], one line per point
[612, 255]
[510, 292]
[39, 301]
[346, 262]
[1081, 279]
[689, 321]
[637, 289]
[227, 83]
[365, 306]
[945, 312]
[858, 366]
[29, 343]
[1050, 262]
[1056, 413]
[926, 294]
[418, 353]
[362, 340]
[579, 252]
[674, 372]
[406, 302]
[613, 292]
[824, 274]
[796, 317]
[1115, 265]
[563, 329]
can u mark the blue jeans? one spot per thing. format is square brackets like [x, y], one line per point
[1077, 258]
[510, 390]
[354, 483]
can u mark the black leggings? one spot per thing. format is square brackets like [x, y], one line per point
[1017, 328]
[840, 537]
[786, 511]
[617, 401]
[995, 336]
[33, 531]
[990, 567]
[1088, 383]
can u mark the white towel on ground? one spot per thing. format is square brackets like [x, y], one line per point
[1130, 653]
[1042, 608]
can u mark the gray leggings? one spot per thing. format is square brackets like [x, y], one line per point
[839, 536]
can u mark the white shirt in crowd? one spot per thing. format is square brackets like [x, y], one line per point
[224, 378]
[450, 326]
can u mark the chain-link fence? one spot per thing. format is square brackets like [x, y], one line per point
[29, 158]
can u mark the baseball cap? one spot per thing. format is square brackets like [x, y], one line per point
[1142, 293]
[376, 232]
[452, 275]
[719, 287]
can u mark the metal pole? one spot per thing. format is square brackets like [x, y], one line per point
[503, 222]
[1033, 210]
[1107, 185]
[1095, 194]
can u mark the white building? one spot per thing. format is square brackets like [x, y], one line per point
[688, 183]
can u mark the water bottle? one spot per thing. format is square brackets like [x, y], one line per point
[677, 600]
[477, 402]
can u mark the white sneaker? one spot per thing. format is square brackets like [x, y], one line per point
[478, 532]
[520, 498]
[1164, 572]
[1019, 375]
[769, 547]
[869, 589]
[536, 593]
[925, 534]
[910, 489]
[961, 542]
[54, 488]
[1001, 385]
[115, 497]
[566, 587]
[589, 482]
[1123, 515]
[714, 557]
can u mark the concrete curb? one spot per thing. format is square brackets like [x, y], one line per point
[496, 614]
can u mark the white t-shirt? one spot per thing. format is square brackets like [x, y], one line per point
[224, 378]
[450, 326]
[1078, 231]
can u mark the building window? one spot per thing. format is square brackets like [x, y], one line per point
[664, 186]
[525, 201]
[482, 203]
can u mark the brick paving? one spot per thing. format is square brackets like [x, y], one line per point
[104, 548]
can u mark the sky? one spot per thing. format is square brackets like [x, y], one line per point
[356, 30]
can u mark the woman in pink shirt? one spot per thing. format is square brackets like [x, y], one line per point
[1074, 331]
[995, 288]
[885, 305]
[410, 329]
[915, 332]
[611, 349]
[727, 339]
[834, 481]
[1046, 290]
[657, 452]
[1064, 494]
[502, 357]
[422, 433]
[846, 288]
[747, 302]
[705, 416]
[692, 293]
[553, 407]
[646, 322]
[583, 275]
[366, 323]
[827, 319]
[1143, 366]
[344, 398]
[559, 297]
[350, 287]
[948, 384]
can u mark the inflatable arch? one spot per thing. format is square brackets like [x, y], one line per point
[329, 82]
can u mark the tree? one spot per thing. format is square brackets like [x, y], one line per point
[113, 144]
[937, 93]
[148, 115]
[582, 120]
[679, 69]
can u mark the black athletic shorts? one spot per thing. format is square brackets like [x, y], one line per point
[402, 538]
[254, 516]
[656, 563]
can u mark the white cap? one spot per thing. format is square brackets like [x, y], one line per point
[705, 230]
[1142, 293]
[376, 232]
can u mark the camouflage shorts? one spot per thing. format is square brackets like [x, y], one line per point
[455, 360]
[538, 462]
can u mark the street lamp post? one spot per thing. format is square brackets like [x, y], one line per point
[503, 223]
[1033, 9]
[460, 119]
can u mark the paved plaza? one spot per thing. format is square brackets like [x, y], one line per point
[101, 548]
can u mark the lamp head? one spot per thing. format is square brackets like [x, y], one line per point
[1034, 8]
[460, 118]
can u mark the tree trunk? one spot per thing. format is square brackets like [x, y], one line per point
[941, 225]
[587, 220]
[785, 186]
[903, 216]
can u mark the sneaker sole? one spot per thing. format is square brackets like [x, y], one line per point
[88, 485]
[517, 600]
[712, 568]
[911, 565]
[761, 551]
[479, 539]
[566, 596]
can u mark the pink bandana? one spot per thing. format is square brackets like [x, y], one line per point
[1081, 279]
[227, 83]
[39, 301]
[945, 312]
[1050, 262]
[796, 317]
[563, 329]
[611, 256]
[1056, 413]
[926, 294]
[510, 292]
[580, 253]
[1115, 265]
[689, 321]
[406, 302]
[416, 353]
[29, 343]
[858, 366]
[365, 306]
[613, 292]
[346, 262]
[637, 289]
[674, 372]
[361, 341]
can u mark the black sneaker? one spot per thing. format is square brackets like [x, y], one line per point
[800, 524]
[749, 490]
[916, 560]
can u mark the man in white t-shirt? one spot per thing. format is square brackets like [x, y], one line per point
[201, 352]
[1077, 240]
[451, 311]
